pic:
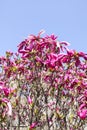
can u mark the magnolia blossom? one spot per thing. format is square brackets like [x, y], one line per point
[29, 100]
[82, 112]
[7, 90]
[33, 125]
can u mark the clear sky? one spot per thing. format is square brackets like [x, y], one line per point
[65, 18]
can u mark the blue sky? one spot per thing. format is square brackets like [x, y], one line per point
[65, 18]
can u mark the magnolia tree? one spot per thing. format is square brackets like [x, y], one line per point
[43, 86]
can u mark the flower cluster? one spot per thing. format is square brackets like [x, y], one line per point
[44, 85]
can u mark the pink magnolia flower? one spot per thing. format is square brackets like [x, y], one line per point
[53, 37]
[82, 106]
[29, 100]
[81, 54]
[33, 125]
[71, 52]
[63, 45]
[7, 90]
[22, 45]
[82, 112]
[1, 83]
[52, 58]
